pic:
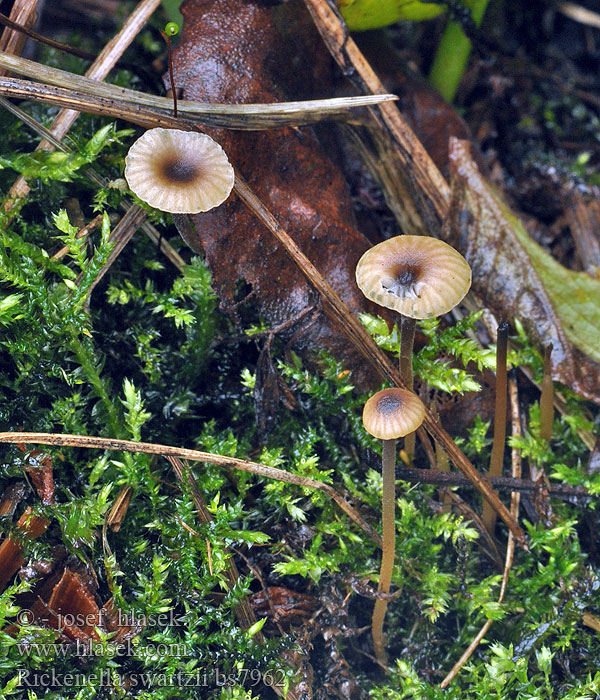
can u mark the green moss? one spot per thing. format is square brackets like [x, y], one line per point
[149, 357]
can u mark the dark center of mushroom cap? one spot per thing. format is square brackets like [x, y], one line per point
[389, 403]
[405, 277]
[179, 170]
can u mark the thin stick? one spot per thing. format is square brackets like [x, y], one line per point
[23, 29]
[501, 483]
[388, 526]
[488, 514]
[195, 456]
[83, 232]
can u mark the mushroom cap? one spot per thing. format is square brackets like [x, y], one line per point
[418, 276]
[393, 413]
[182, 172]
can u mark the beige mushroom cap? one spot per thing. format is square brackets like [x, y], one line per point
[393, 413]
[418, 276]
[182, 172]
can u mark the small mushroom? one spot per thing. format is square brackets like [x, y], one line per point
[417, 276]
[181, 172]
[389, 414]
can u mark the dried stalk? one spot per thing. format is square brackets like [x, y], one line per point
[404, 156]
[237, 116]
[194, 456]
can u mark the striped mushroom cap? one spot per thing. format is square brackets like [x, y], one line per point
[182, 172]
[392, 413]
[418, 276]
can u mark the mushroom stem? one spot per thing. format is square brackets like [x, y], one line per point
[488, 514]
[388, 520]
[407, 340]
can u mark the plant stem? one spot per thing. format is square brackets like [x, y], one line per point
[87, 365]
[407, 341]
[388, 526]
[489, 514]
[453, 52]
[547, 397]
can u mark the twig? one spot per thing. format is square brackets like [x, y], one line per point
[24, 29]
[194, 456]
[82, 233]
[501, 483]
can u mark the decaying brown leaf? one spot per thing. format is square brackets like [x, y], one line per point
[11, 549]
[510, 279]
[229, 52]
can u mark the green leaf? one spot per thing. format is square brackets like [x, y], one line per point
[361, 15]
[574, 295]
[516, 278]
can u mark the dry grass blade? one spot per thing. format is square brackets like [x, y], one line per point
[410, 156]
[194, 456]
[237, 116]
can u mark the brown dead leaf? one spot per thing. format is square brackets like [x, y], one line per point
[11, 549]
[231, 51]
[510, 279]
